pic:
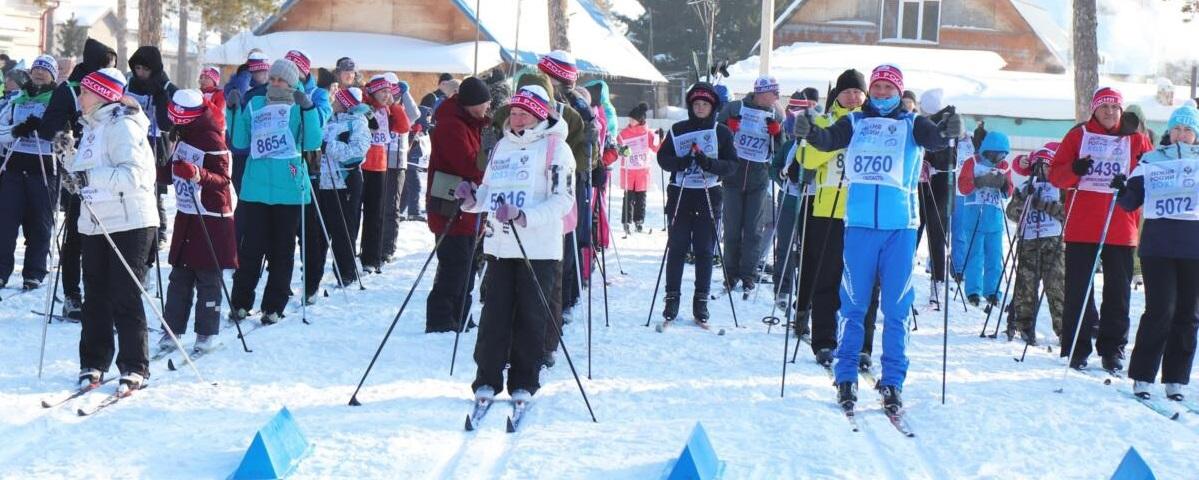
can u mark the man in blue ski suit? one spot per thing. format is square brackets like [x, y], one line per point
[882, 165]
[985, 181]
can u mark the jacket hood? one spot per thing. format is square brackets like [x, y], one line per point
[113, 112]
[547, 127]
[95, 57]
[147, 56]
[995, 142]
[539, 79]
[203, 132]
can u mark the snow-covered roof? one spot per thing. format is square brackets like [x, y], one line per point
[370, 51]
[596, 45]
[983, 89]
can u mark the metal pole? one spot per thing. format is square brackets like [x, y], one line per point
[767, 43]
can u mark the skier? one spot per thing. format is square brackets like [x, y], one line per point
[28, 176]
[755, 122]
[697, 152]
[113, 172]
[374, 172]
[1090, 156]
[400, 114]
[244, 86]
[63, 114]
[881, 216]
[455, 145]
[277, 129]
[418, 164]
[985, 180]
[210, 86]
[527, 191]
[1164, 183]
[934, 196]
[152, 89]
[637, 145]
[346, 73]
[338, 180]
[1040, 251]
[318, 96]
[200, 171]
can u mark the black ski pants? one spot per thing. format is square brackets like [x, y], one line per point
[270, 236]
[633, 208]
[332, 204]
[445, 305]
[114, 301]
[933, 215]
[1166, 336]
[514, 324]
[206, 286]
[393, 191]
[1108, 326]
[692, 229]
[372, 218]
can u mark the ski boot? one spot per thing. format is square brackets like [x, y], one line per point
[801, 324]
[484, 394]
[90, 377]
[1112, 363]
[974, 299]
[671, 309]
[699, 308]
[238, 314]
[626, 229]
[1174, 392]
[748, 284]
[72, 308]
[992, 300]
[640, 228]
[31, 284]
[864, 362]
[204, 343]
[824, 357]
[934, 293]
[130, 382]
[1141, 389]
[269, 319]
[891, 401]
[847, 395]
[549, 360]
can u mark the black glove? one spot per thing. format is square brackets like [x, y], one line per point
[74, 181]
[301, 99]
[808, 176]
[27, 127]
[990, 181]
[1118, 182]
[599, 177]
[951, 127]
[372, 122]
[793, 172]
[1082, 165]
[344, 137]
[801, 127]
[704, 161]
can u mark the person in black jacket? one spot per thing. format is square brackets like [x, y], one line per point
[152, 89]
[934, 195]
[63, 113]
[696, 152]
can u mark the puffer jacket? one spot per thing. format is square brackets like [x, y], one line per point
[115, 153]
[341, 157]
[189, 246]
[284, 180]
[829, 166]
[549, 198]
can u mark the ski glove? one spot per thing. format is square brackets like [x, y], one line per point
[951, 127]
[510, 213]
[704, 161]
[465, 191]
[990, 181]
[734, 124]
[801, 127]
[773, 127]
[27, 127]
[301, 99]
[372, 123]
[74, 181]
[1119, 181]
[186, 171]
[1082, 165]
[625, 151]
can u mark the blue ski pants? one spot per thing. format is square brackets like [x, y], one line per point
[885, 255]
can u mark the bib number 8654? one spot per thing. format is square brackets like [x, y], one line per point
[271, 143]
[872, 163]
[1173, 205]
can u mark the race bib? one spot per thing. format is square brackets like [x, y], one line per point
[32, 146]
[185, 190]
[836, 171]
[1172, 188]
[1038, 224]
[510, 179]
[875, 154]
[147, 104]
[985, 196]
[693, 176]
[381, 135]
[271, 135]
[1111, 156]
[638, 158]
[752, 140]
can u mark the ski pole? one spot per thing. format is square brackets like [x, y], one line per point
[795, 279]
[1022, 223]
[665, 252]
[603, 266]
[953, 144]
[724, 270]
[216, 262]
[50, 261]
[828, 230]
[966, 260]
[320, 217]
[1036, 306]
[1087, 293]
[772, 320]
[474, 244]
[440, 238]
[1013, 247]
[359, 271]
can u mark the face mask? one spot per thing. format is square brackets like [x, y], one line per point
[994, 157]
[885, 105]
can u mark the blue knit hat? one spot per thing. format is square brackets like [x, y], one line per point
[1186, 115]
[47, 63]
[995, 142]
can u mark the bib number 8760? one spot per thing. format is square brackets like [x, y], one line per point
[872, 163]
[1174, 205]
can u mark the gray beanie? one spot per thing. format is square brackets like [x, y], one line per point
[286, 71]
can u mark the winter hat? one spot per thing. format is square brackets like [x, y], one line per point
[1024, 163]
[995, 142]
[257, 62]
[532, 99]
[559, 65]
[108, 83]
[473, 92]
[301, 60]
[47, 63]
[1186, 115]
[445, 77]
[702, 91]
[887, 73]
[185, 106]
[766, 84]
[286, 71]
[930, 101]
[147, 56]
[850, 79]
[344, 64]
[377, 84]
[349, 97]
[211, 74]
[639, 112]
[1106, 96]
[910, 95]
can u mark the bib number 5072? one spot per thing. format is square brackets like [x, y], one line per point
[872, 163]
[1173, 205]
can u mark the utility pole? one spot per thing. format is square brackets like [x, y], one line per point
[767, 44]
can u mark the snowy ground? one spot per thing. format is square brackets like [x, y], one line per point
[1001, 419]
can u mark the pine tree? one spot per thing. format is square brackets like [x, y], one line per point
[71, 36]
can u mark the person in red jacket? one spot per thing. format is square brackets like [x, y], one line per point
[210, 86]
[638, 149]
[1090, 156]
[200, 169]
[455, 145]
[374, 173]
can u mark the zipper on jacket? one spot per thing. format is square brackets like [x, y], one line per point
[124, 207]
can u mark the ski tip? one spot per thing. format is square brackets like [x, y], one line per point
[511, 426]
[46, 404]
[469, 427]
[80, 412]
[720, 332]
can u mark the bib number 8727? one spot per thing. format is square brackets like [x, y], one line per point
[872, 163]
[1173, 205]
[514, 198]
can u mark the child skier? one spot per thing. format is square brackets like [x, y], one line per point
[1040, 253]
[986, 182]
[638, 144]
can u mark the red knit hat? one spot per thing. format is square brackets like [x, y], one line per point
[1107, 96]
[108, 83]
[377, 84]
[1024, 163]
[297, 57]
[211, 74]
[560, 65]
[532, 99]
[257, 62]
[185, 106]
[349, 97]
[887, 73]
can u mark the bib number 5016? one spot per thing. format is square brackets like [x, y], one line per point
[872, 163]
[514, 198]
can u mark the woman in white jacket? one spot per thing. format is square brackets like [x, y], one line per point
[113, 172]
[528, 187]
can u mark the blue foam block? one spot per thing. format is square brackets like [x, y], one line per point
[1133, 467]
[276, 450]
[698, 460]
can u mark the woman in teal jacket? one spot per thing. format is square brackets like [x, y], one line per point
[276, 128]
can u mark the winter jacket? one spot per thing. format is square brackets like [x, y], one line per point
[153, 93]
[26, 151]
[276, 174]
[882, 207]
[63, 111]
[584, 158]
[202, 141]
[455, 148]
[684, 170]
[1043, 222]
[642, 142]
[600, 96]
[547, 198]
[1174, 225]
[340, 157]
[320, 98]
[984, 206]
[1086, 226]
[751, 174]
[216, 107]
[829, 166]
[115, 154]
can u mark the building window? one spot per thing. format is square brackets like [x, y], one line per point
[911, 21]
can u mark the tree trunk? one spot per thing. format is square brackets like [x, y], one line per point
[559, 23]
[182, 76]
[122, 34]
[1086, 57]
[149, 23]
